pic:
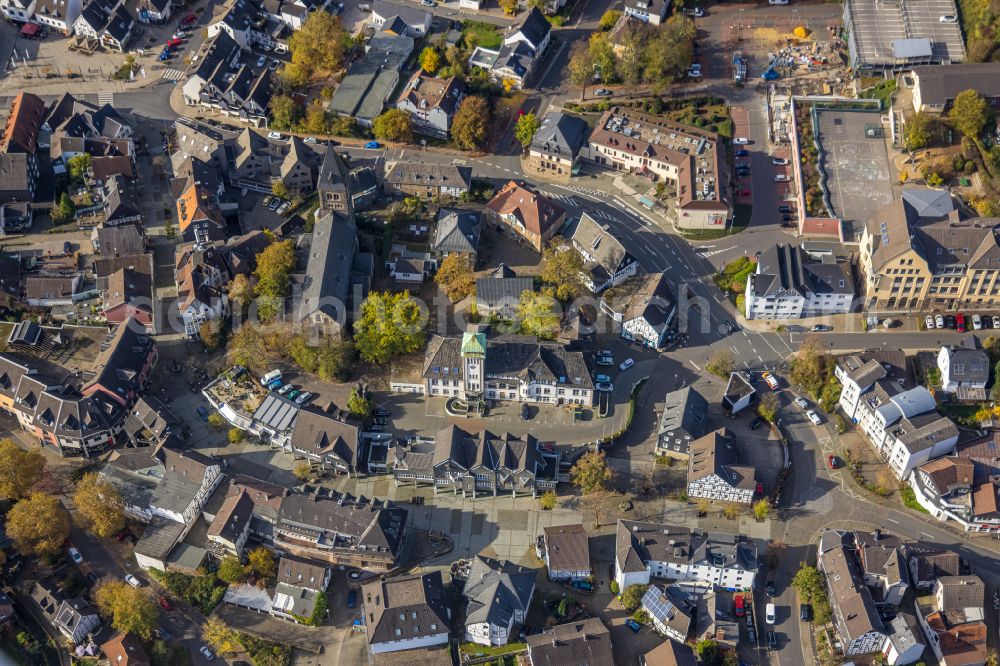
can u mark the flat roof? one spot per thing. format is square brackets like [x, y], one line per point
[890, 33]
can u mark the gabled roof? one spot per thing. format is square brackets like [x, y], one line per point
[684, 418]
[604, 253]
[535, 212]
[560, 134]
[715, 453]
[233, 518]
[405, 608]
[495, 590]
[423, 174]
[125, 650]
[198, 204]
[328, 270]
[567, 547]
[322, 434]
[20, 135]
[457, 231]
[534, 27]
[302, 573]
[580, 642]
[426, 92]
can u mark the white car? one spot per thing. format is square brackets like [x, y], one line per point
[779, 161]
[75, 554]
[929, 321]
[627, 363]
[948, 18]
[781, 178]
[769, 614]
[977, 322]
[604, 386]
[801, 402]
[274, 136]
[939, 321]
[303, 397]
[285, 389]
[814, 417]
[996, 322]
[132, 580]
[741, 141]
[206, 653]
[309, 139]
[694, 73]
[261, 61]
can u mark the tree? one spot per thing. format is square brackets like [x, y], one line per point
[602, 55]
[65, 210]
[215, 631]
[274, 265]
[391, 324]
[668, 54]
[280, 190]
[470, 126]
[609, 19]
[969, 114]
[284, 112]
[562, 267]
[808, 581]
[20, 470]
[548, 500]
[509, 7]
[456, 277]
[708, 651]
[78, 166]
[302, 471]
[319, 47]
[231, 570]
[320, 607]
[100, 505]
[762, 509]
[767, 407]
[591, 473]
[131, 609]
[703, 504]
[210, 333]
[631, 60]
[731, 511]
[721, 364]
[261, 562]
[917, 134]
[236, 435]
[581, 67]
[809, 366]
[244, 347]
[393, 125]
[38, 525]
[240, 292]
[215, 420]
[632, 596]
[538, 314]
[526, 128]
[430, 60]
[315, 121]
[358, 403]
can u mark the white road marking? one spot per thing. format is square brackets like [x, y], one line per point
[891, 520]
[696, 366]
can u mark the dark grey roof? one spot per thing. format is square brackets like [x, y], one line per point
[968, 365]
[580, 642]
[737, 388]
[412, 15]
[604, 253]
[119, 241]
[960, 592]
[358, 524]
[787, 268]
[685, 418]
[494, 591]
[716, 453]
[927, 202]
[863, 373]
[853, 606]
[120, 25]
[940, 84]
[457, 231]
[502, 293]
[403, 608]
[518, 57]
[560, 134]
[428, 175]
[534, 27]
[652, 302]
[921, 432]
[328, 271]
[14, 172]
[302, 573]
[159, 538]
[322, 434]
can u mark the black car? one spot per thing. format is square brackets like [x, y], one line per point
[772, 641]
[525, 412]
[756, 423]
[751, 635]
[381, 411]
[805, 612]
[784, 209]
[769, 590]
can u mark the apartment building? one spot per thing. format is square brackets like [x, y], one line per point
[606, 261]
[714, 473]
[558, 145]
[789, 284]
[530, 215]
[693, 159]
[964, 487]
[854, 611]
[431, 103]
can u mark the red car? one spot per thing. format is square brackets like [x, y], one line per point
[740, 610]
[832, 461]
[164, 603]
[174, 42]
[960, 322]
[743, 193]
[189, 19]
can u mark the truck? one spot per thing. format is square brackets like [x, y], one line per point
[270, 377]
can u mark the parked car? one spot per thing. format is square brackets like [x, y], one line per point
[939, 321]
[602, 378]
[261, 61]
[781, 178]
[206, 653]
[960, 322]
[525, 412]
[309, 139]
[352, 598]
[948, 18]
[929, 322]
[833, 461]
[189, 19]
[372, 145]
[751, 634]
[949, 321]
[604, 360]
[741, 141]
[821, 328]
[294, 394]
[769, 611]
[162, 634]
[165, 54]
[772, 641]
[805, 613]
[275, 203]
[602, 92]
[132, 580]
[266, 200]
[626, 364]
[779, 161]
[164, 604]
[769, 589]
[694, 73]
[977, 322]
[784, 209]
[283, 208]
[285, 389]
[75, 555]
[381, 411]
[203, 413]
[756, 423]
[742, 152]
[303, 397]
[739, 605]
[814, 417]
[604, 386]
[801, 402]
[174, 41]
[633, 625]
[996, 322]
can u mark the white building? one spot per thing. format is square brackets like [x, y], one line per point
[60, 15]
[645, 550]
[857, 376]
[405, 613]
[948, 489]
[964, 371]
[668, 611]
[606, 261]
[713, 472]
[19, 11]
[566, 552]
[400, 19]
[789, 285]
[854, 612]
[498, 596]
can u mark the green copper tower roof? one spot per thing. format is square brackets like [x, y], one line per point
[473, 344]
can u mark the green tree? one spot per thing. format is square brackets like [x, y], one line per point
[240, 292]
[561, 267]
[391, 324]
[538, 314]
[215, 631]
[708, 651]
[581, 66]
[456, 277]
[319, 609]
[602, 55]
[359, 404]
[215, 420]
[316, 121]
[236, 435]
[631, 61]
[470, 126]
[280, 190]
[131, 609]
[808, 581]
[767, 407]
[809, 366]
[38, 525]
[393, 125]
[274, 266]
[918, 131]
[20, 470]
[591, 473]
[65, 210]
[509, 7]
[609, 19]
[99, 504]
[631, 597]
[78, 166]
[762, 509]
[302, 471]
[721, 364]
[285, 113]
[526, 128]
[548, 500]
[970, 113]
[210, 333]
[430, 60]
[319, 47]
[231, 570]
[668, 55]
[261, 562]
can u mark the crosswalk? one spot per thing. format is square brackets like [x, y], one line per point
[587, 190]
[563, 199]
[106, 98]
[172, 74]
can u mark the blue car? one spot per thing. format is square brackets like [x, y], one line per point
[352, 599]
[275, 385]
[371, 145]
[203, 413]
[633, 625]
[166, 53]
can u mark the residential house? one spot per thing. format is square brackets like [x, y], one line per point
[118, 241]
[904, 643]
[408, 271]
[566, 552]
[857, 377]
[405, 613]
[125, 649]
[200, 274]
[18, 180]
[788, 285]
[431, 103]
[400, 19]
[935, 87]
[150, 423]
[714, 473]
[646, 550]
[558, 145]
[107, 22]
[739, 393]
[693, 159]
[964, 487]
[649, 315]
[527, 214]
[515, 63]
[926, 568]
[497, 596]
[669, 611]
[328, 440]
[606, 261]
[499, 293]
[964, 371]
[228, 533]
[457, 232]
[199, 217]
[19, 149]
[534, 30]
[260, 163]
[475, 463]
[371, 81]
[127, 294]
[14, 217]
[882, 562]
[952, 619]
[854, 612]
[242, 23]
[303, 573]
[77, 620]
[300, 584]
[46, 291]
[157, 12]
[684, 420]
[579, 642]
[669, 653]
[427, 181]
[218, 61]
[60, 15]
[119, 203]
[653, 12]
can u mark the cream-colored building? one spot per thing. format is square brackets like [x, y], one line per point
[916, 254]
[692, 159]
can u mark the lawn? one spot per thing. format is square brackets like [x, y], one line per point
[475, 649]
[734, 275]
[881, 91]
[477, 33]
[910, 500]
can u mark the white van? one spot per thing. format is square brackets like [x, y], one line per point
[777, 2]
[769, 614]
[270, 377]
